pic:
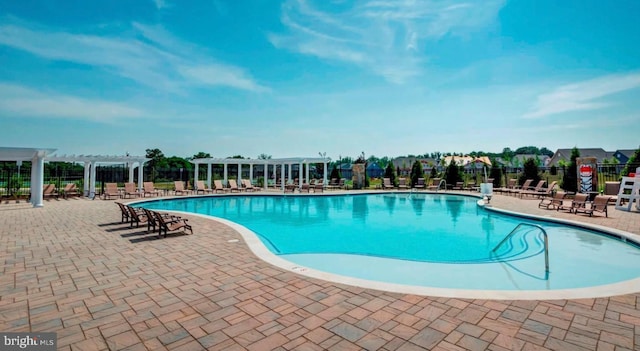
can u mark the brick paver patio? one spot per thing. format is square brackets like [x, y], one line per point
[73, 268]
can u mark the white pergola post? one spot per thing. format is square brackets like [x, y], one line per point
[37, 179]
[324, 175]
[195, 177]
[251, 172]
[239, 174]
[209, 175]
[290, 175]
[92, 186]
[275, 174]
[131, 167]
[300, 176]
[140, 177]
[87, 169]
[282, 175]
[225, 174]
[266, 176]
[306, 173]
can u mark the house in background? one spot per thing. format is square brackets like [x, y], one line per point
[374, 170]
[623, 156]
[565, 154]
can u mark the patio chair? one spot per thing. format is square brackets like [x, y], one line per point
[124, 210]
[49, 190]
[552, 202]
[537, 190]
[219, 186]
[149, 188]
[246, 183]
[402, 183]
[131, 190]
[179, 189]
[420, 184]
[304, 188]
[137, 216]
[111, 190]
[318, 187]
[386, 184]
[458, 186]
[525, 186]
[579, 201]
[233, 185]
[435, 184]
[168, 224]
[202, 187]
[69, 190]
[511, 184]
[599, 204]
[333, 184]
[153, 221]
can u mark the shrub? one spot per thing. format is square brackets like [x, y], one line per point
[570, 179]
[416, 172]
[15, 184]
[453, 173]
[530, 171]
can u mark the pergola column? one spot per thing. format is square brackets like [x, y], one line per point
[251, 172]
[266, 174]
[131, 167]
[290, 178]
[239, 174]
[300, 175]
[209, 175]
[282, 175]
[306, 173]
[195, 176]
[324, 175]
[87, 169]
[140, 177]
[37, 179]
[92, 186]
[225, 174]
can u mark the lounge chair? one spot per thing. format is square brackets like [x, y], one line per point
[246, 183]
[233, 185]
[137, 216]
[153, 221]
[69, 190]
[552, 202]
[599, 204]
[402, 183]
[49, 190]
[535, 191]
[386, 184]
[420, 184]
[342, 184]
[149, 188]
[170, 224]
[304, 188]
[318, 187]
[333, 184]
[219, 186]
[124, 210]
[525, 186]
[579, 201]
[435, 184]
[111, 190]
[178, 187]
[511, 184]
[202, 187]
[131, 190]
[458, 186]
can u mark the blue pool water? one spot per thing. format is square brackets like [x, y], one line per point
[433, 240]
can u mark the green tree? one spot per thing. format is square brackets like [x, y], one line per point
[453, 173]
[389, 173]
[416, 172]
[335, 173]
[157, 160]
[570, 179]
[264, 157]
[201, 155]
[496, 174]
[632, 164]
[530, 171]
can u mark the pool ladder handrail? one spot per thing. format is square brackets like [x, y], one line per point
[439, 184]
[546, 242]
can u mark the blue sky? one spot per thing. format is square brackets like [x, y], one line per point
[297, 77]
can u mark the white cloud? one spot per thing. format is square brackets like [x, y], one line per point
[218, 74]
[149, 56]
[161, 4]
[386, 37]
[16, 100]
[583, 96]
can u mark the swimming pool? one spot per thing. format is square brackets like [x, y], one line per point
[430, 240]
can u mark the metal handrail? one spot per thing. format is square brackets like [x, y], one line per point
[445, 184]
[546, 242]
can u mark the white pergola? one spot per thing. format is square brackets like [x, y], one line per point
[91, 161]
[36, 156]
[283, 163]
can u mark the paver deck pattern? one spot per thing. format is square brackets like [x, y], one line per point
[73, 268]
